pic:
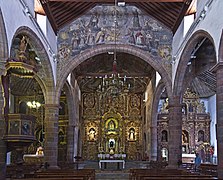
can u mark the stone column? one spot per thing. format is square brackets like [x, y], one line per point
[219, 105]
[2, 132]
[51, 135]
[70, 143]
[154, 144]
[175, 132]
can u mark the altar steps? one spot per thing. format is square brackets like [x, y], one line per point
[112, 175]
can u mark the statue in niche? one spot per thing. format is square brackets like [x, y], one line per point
[164, 136]
[92, 134]
[190, 108]
[111, 146]
[111, 125]
[131, 134]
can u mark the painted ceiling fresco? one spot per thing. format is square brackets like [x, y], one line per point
[132, 27]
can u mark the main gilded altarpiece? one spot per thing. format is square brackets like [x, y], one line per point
[112, 125]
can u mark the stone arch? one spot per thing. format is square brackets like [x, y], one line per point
[3, 44]
[179, 80]
[155, 62]
[155, 104]
[3, 57]
[72, 121]
[45, 75]
[220, 50]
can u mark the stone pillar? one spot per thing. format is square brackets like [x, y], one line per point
[154, 144]
[175, 132]
[70, 143]
[51, 135]
[2, 132]
[219, 105]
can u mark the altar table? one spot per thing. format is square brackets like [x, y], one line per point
[112, 161]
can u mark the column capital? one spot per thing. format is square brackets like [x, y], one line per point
[216, 67]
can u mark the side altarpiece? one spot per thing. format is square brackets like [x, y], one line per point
[195, 127]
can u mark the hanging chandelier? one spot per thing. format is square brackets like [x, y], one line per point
[114, 84]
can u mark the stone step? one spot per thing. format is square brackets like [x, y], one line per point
[112, 176]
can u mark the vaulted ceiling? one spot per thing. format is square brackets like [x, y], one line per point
[62, 12]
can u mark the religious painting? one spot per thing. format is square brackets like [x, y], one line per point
[26, 128]
[133, 27]
[14, 127]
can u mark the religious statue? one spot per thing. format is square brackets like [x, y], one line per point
[131, 134]
[111, 125]
[39, 151]
[164, 136]
[22, 48]
[92, 134]
[111, 146]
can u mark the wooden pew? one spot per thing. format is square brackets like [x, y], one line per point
[84, 174]
[210, 169]
[140, 174]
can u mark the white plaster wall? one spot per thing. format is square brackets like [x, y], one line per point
[212, 23]
[200, 5]
[178, 38]
[15, 17]
[30, 5]
[51, 36]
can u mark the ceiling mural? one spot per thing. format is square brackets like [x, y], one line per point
[133, 27]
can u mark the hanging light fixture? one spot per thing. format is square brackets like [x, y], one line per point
[114, 84]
